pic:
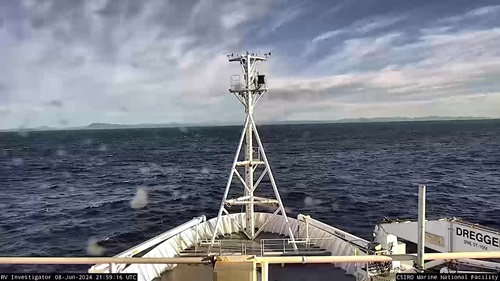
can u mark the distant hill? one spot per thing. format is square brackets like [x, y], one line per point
[109, 126]
[408, 119]
[95, 126]
[382, 119]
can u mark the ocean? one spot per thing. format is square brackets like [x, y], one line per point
[61, 189]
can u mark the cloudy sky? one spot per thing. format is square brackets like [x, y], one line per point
[70, 63]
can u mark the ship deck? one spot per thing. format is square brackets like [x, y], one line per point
[235, 244]
[290, 272]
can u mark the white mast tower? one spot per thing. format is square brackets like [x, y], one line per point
[249, 93]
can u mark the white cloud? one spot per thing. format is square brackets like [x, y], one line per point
[281, 18]
[326, 35]
[311, 47]
[358, 28]
[334, 10]
[98, 62]
[474, 14]
[472, 105]
[164, 62]
[446, 81]
[372, 24]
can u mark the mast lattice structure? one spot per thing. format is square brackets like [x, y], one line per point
[249, 92]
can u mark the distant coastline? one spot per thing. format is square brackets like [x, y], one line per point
[110, 126]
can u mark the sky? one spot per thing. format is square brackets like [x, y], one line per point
[72, 63]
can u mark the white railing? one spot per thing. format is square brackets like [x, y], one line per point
[192, 224]
[162, 237]
[266, 247]
[335, 241]
[225, 247]
[285, 246]
[309, 224]
[286, 259]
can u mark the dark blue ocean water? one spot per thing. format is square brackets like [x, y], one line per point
[60, 189]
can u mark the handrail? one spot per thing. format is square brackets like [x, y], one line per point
[273, 244]
[378, 258]
[101, 260]
[162, 237]
[339, 233]
[284, 259]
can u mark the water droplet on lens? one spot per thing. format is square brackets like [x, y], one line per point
[335, 206]
[23, 133]
[144, 170]
[176, 193]
[17, 161]
[94, 249]
[309, 201]
[140, 199]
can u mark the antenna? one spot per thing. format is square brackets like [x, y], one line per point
[249, 93]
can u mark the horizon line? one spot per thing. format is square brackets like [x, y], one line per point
[110, 126]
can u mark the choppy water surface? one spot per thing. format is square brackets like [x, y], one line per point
[61, 189]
